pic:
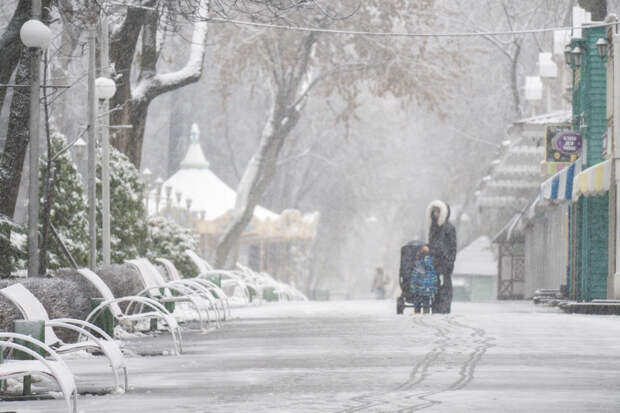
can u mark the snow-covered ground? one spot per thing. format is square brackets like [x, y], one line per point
[359, 356]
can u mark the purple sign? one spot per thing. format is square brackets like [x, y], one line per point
[568, 142]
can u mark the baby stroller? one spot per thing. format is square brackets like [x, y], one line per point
[408, 254]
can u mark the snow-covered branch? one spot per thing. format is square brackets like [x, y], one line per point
[150, 87]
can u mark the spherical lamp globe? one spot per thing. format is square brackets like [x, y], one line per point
[33, 33]
[105, 88]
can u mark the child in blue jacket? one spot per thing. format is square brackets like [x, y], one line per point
[424, 281]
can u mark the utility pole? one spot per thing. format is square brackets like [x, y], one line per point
[105, 142]
[33, 185]
[92, 144]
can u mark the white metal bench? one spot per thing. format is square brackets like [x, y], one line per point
[55, 368]
[208, 290]
[32, 309]
[157, 311]
[228, 279]
[158, 289]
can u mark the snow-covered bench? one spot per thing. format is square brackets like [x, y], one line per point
[265, 280]
[156, 310]
[231, 280]
[158, 289]
[209, 290]
[32, 309]
[203, 266]
[41, 366]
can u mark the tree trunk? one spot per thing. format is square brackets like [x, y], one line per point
[18, 136]
[11, 46]
[177, 131]
[131, 107]
[70, 37]
[292, 87]
[514, 79]
[256, 177]
[123, 45]
[598, 8]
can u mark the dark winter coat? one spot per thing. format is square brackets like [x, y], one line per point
[442, 241]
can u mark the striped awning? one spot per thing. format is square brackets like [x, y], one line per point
[560, 186]
[593, 181]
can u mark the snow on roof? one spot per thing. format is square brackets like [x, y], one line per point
[560, 116]
[536, 125]
[476, 259]
[208, 192]
[195, 158]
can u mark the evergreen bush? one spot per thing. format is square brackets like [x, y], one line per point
[128, 222]
[168, 240]
[69, 210]
[12, 247]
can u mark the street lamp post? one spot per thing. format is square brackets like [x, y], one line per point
[178, 195]
[37, 36]
[168, 189]
[92, 144]
[147, 175]
[158, 186]
[106, 88]
[188, 204]
[80, 152]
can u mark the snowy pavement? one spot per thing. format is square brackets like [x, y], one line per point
[361, 357]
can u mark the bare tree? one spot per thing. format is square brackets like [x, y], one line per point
[18, 135]
[516, 49]
[131, 102]
[63, 57]
[598, 8]
[10, 45]
[294, 64]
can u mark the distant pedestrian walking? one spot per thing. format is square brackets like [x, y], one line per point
[442, 244]
[424, 281]
[380, 283]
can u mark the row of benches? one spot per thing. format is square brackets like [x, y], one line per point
[206, 295]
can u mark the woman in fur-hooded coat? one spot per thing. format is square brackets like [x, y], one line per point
[442, 243]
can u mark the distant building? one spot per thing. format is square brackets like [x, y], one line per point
[475, 271]
[195, 197]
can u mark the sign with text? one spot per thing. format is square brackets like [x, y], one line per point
[568, 142]
[562, 144]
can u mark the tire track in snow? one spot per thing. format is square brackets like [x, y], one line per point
[468, 369]
[482, 343]
[418, 374]
[445, 339]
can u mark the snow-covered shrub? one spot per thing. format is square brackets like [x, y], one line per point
[68, 212]
[60, 297]
[122, 279]
[128, 224]
[168, 240]
[13, 247]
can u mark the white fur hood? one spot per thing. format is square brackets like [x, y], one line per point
[444, 212]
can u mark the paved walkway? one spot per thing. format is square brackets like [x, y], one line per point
[362, 357]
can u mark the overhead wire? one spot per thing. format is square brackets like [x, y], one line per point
[403, 34]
